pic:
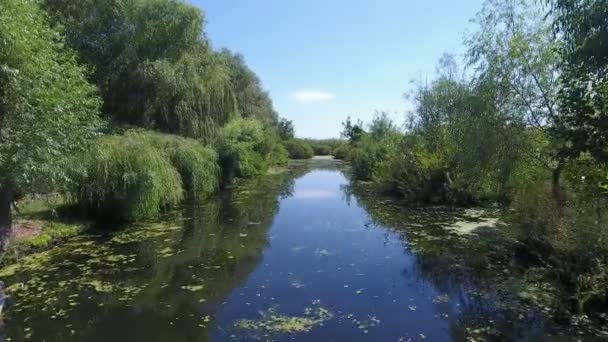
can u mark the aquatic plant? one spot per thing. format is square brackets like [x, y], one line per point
[273, 322]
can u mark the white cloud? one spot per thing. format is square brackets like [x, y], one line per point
[313, 96]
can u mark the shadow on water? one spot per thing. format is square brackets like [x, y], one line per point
[304, 255]
[157, 282]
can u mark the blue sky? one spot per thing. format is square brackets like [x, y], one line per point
[323, 60]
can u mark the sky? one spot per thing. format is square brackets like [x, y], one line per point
[324, 60]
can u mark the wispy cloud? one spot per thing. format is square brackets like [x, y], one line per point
[312, 96]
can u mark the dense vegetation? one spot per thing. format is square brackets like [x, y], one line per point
[47, 107]
[299, 149]
[110, 74]
[156, 172]
[523, 124]
[125, 107]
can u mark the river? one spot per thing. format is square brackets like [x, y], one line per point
[304, 255]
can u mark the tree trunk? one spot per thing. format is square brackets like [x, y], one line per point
[556, 189]
[6, 217]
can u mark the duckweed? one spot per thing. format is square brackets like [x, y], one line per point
[273, 322]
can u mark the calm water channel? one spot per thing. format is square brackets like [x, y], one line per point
[300, 256]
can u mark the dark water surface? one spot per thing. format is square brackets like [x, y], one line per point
[298, 256]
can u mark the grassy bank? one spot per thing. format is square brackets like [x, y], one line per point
[39, 226]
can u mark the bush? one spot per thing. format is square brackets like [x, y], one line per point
[137, 175]
[247, 148]
[197, 165]
[125, 178]
[299, 149]
[567, 238]
[366, 155]
[321, 149]
[341, 151]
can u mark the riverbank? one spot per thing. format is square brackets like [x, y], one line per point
[39, 227]
[41, 222]
[481, 246]
[307, 253]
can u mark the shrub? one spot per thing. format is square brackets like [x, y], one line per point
[566, 238]
[247, 148]
[321, 149]
[369, 152]
[125, 178]
[137, 175]
[197, 165]
[299, 149]
[341, 151]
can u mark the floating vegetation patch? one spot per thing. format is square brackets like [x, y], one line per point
[101, 286]
[473, 220]
[297, 284]
[273, 322]
[324, 252]
[441, 299]
[297, 249]
[138, 234]
[365, 324]
[193, 288]
[62, 279]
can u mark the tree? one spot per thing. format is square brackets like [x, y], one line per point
[382, 125]
[286, 129]
[152, 62]
[252, 100]
[47, 108]
[583, 122]
[352, 131]
[515, 52]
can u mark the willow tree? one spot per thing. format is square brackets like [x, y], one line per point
[47, 108]
[515, 50]
[152, 62]
[252, 100]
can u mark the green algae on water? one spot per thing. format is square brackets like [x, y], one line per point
[273, 322]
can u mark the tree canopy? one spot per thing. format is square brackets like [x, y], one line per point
[47, 107]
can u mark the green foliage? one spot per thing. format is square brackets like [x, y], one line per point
[47, 108]
[299, 149]
[366, 155]
[139, 174]
[125, 178]
[253, 101]
[412, 171]
[352, 131]
[152, 63]
[321, 149]
[286, 129]
[568, 240]
[196, 164]
[247, 148]
[584, 93]
[324, 147]
[341, 151]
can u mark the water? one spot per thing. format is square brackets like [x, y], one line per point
[301, 256]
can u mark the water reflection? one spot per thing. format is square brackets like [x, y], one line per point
[158, 283]
[303, 255]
